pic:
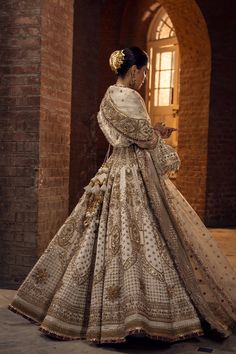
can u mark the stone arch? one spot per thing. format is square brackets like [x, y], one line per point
[195, 52]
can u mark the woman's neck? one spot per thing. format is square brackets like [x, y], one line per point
[122, 82]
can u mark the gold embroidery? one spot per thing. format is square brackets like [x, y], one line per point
[132, 128]
[115, 239]
[129, 174]
[66, 233]
[170, 290]
[113, 293]
[93, 207]
[130, 262]
[99, 276]
[151, 270]
[135, 233]
[62, 258]
[40, 276]
[78, 278]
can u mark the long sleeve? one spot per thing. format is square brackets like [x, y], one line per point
[124, 110]
[165, 158]
[124, 120]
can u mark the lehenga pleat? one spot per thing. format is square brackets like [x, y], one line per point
[112, 277]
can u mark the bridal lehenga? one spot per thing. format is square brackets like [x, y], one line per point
[133, 257]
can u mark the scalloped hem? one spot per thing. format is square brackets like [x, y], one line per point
[56, 335]
[145, 334]
[131, 332]
[27, 317]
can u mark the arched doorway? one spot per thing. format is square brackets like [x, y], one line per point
[194, 84]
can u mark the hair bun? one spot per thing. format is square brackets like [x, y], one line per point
[116, 59]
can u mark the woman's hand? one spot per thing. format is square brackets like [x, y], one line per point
[164, 130]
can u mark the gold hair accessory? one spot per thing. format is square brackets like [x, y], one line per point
[116, 60]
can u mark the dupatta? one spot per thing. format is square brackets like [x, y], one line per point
[206, 274]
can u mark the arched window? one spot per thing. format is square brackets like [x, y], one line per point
[162, 87]
[165, 28]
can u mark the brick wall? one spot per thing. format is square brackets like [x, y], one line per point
[111, 14]
[221, 173]
[85, 103]
[195, 53]
[19, 133]
[55, 111]
[35, 103]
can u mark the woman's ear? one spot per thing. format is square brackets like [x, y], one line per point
[133, 69]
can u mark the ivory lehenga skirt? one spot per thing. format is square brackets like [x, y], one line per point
[109, 271]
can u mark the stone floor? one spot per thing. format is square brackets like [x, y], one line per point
[18, 336]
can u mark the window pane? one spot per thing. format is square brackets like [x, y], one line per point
[165, 31]
[159, 26]
[162, 80]
[158, 61]
[166, 60]
[155, 97]
[157, 35]
[164, 97]
[156, 83]
[165, 28]
[164, 18]
[165, 77]
[168, 22]
[173, 60]
[150, 68]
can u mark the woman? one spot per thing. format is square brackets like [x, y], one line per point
[133, 257]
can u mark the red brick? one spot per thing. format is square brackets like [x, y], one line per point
[27, 20]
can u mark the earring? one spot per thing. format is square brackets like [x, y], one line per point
[132, 83]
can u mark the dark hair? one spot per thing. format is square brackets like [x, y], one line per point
[133, 56]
